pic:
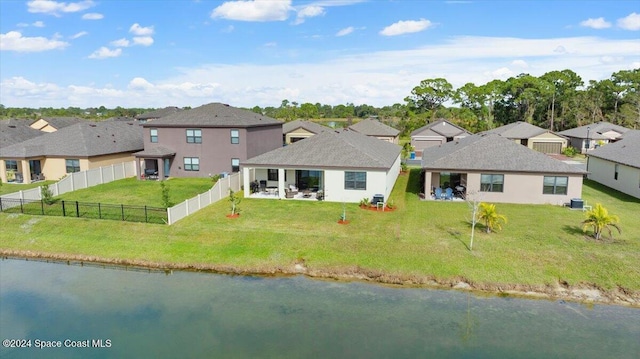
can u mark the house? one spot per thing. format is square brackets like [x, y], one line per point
[435, 134]
[52, 124]
[377, 129]
[593, 135]
[156, 114]
[500, 170]
[15, 131]
[617, 165]
[299, 129]
[342, 165]
[534, 137]
[75, 148]
[207, 140]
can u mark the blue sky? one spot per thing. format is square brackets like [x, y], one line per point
[245, 53]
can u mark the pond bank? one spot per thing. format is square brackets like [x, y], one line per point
[583, 293]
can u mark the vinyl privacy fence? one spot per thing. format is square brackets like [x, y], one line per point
[219, 191]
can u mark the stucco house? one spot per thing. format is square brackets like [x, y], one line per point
[343, 165]
[75, 148]
[52, 124]
[617, 165]
[435, 134]
[207, 140]
[499, 170]
[591, 136]
[534, 137]
[297, 130]
[377, 129]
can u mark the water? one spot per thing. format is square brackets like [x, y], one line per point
[199, 315]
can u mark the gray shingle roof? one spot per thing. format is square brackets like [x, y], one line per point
[625, 151]
[159, 113]
[213, 115]
[306, 125]
[595, 130]
[84, 139]
[15, 131]
[441, 127]
[156, 151]
[374, 128]
[518, 130]
[332, 149]
[491, 152]
[60, 122]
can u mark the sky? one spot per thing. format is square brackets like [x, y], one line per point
[157, 53]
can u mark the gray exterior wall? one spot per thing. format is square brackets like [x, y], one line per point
[216, 150]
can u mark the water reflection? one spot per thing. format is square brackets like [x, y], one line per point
[204, 315]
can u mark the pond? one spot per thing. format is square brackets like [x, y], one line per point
[136, 313]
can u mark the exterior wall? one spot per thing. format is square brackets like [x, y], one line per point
[547, 137]
[392, 176]
[56, 168]
[421, 143]
[297, 133]
[391, 139]
[603, 171]
[525, 188]
[335, 192]
[262, 140]
[108, 160]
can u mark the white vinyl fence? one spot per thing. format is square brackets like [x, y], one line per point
[219, 191]
[75, 181]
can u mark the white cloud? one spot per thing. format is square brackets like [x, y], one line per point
[14, 41]
[143, 40]
[599, 23]
[405, 27]
[120, 43]
[270, 44]
[520, 63]
[631, 22]
[139, 83]
[92, 16]
[51, 7]
[138, 30]
[22, 24]
[38, 24]
[256, 10]
[307, 12]
[104, 52]
[229, 29]
[345, 31]
[80, 34]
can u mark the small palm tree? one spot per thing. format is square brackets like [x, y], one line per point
[492, 220]
[600, 219]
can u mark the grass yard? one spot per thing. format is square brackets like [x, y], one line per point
[540, 245]
[15, 187]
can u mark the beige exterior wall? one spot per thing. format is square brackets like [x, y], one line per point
[603, 171]
[55, 168]
[391, 139]
[297, 133]
[108, 160]
[525, 188]
[548, 137]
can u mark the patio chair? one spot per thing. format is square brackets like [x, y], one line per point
[438, 193]
[288, 193]
[448, 194]
[293, 189]
[263, 186]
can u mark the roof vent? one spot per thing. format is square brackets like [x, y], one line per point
[12, 126]
[92, 125]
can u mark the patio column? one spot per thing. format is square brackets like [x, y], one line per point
[26, 172]
[139, 170]
[3, 171]
[160, 164]
[245, 181]
[427, 184]
[281, 193]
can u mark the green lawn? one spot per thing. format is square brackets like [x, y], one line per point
[541, 245]
[15, 187]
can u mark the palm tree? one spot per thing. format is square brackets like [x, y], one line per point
[600, 219]
[490, 217]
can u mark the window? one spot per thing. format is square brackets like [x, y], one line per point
[11, 165]
[235, 165]
[73, 165]
[272, 174]
[491, 183]
[615, 175]
[235, 137]
[154, 135]
[192, 164]
[555, 185]
[194, 136]
[355, 180]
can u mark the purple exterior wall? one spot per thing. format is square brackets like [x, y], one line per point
[216, 150]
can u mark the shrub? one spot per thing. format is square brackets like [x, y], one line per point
[570, 151]
[47, 194]
[364, 202]
[235, 201]
[166, 201]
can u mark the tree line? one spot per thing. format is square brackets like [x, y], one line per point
[557, 100]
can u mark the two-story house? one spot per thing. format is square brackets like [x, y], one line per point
[207, 140]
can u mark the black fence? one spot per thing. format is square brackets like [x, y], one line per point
[119, 212]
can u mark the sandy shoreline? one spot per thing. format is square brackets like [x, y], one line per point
[561, 291]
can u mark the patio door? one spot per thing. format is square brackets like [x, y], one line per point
[166, 167]
[35, 167]
[310, 180]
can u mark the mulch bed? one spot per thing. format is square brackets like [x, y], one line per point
[375, 209]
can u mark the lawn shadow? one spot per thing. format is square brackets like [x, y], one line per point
[413, 184]
[573, 230]
[610, 191]
[458, 235]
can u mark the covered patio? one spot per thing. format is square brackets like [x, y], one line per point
[154, 163]
[283, 183]
[444, 185]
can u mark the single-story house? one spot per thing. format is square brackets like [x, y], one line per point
[75, 148]
[206, 140]
[377, 129]
[297, 130]
[15, 131]
[52, 124]
[500, 170]
[341, 165]
[435, 134]
[532, 136]
[617, 165]
[593, 135]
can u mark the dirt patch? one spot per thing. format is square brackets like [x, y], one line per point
[582, 292]
[233, 215]
[376, 209]
[343, 222]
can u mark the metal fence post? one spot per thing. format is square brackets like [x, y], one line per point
[0, 204]
[122, 209]
[146, 219]
[21, 208]
[99, 211]
[42, 206]
[64, 213]
[77, 209]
